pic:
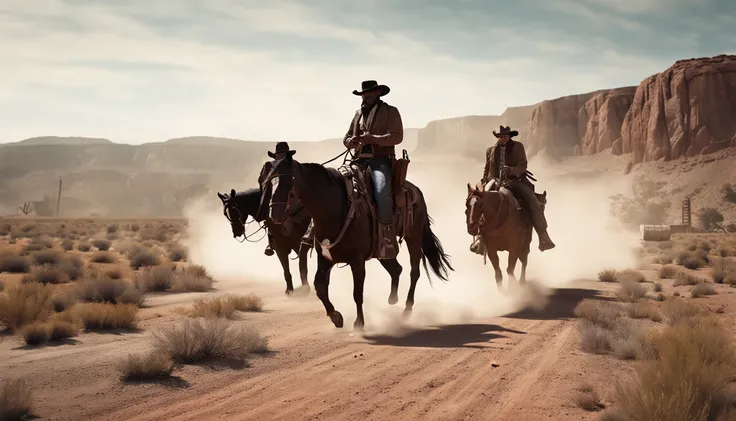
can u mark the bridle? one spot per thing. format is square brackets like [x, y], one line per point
[481, 221]
[291, 207]
[227, 209]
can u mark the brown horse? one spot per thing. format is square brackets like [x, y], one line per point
[502, 225]
[346, 236]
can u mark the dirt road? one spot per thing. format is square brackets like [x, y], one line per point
[523, 366]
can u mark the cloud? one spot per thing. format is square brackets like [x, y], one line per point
[146, 71]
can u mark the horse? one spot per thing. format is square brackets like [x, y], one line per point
[237, 206]
[348, 233]
[502, 225]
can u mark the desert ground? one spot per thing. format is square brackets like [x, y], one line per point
[173, 319]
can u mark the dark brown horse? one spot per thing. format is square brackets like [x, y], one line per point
[237, 207]
[502, 225]
[346, 237]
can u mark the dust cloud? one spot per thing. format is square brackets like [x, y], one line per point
[588, 239]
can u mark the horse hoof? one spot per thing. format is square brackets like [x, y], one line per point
[289, 292]
[407, 313]
[302, 291]
[393, 299]
[336, 318]
[358, 325]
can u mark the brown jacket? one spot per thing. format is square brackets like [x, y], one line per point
[387, 130]
[515, 158]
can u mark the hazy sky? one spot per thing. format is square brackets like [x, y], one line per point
[147, 70]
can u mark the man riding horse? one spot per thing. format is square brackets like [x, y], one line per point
[376, 128]
[506, 164]
[282, 148]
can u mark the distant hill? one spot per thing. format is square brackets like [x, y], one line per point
[58, 140]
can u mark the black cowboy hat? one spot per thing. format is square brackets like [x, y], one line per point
[281, 147]
[369, 85]
[505, 130]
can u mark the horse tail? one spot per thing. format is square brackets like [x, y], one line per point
[432, 250]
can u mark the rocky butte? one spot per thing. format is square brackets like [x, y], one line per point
[687, 110]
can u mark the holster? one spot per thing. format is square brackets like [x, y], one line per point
[400, 168]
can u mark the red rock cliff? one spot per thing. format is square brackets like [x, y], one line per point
[688, 109]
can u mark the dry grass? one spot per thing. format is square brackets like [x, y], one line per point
[39, 333]
[106, 316]
[630, 275]
[24, 304]
[46, 274]
[724, 271]
[155, 278]
[631, 292]
[104, 257]
[250, 302]
[644, 310]
[686, 380]
[684, 278]
[16, 400]
[604, 329]
[141, 257]
[608, 275]
[703, 289]
[103, 289]
[193, 278]
[587, 398]
[677, 311]
[668, 272]
[225, 306]
[198, 339]
[12, 263]
[153, 365]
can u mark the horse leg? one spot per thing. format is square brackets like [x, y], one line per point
[283, 254]
[303, 269]
[322, 286]
[513, 256]
[493, 257]
[394, 269]
[415, 257]
[523, 259]
[358, 269]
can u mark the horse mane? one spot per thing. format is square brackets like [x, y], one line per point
[328, 175]
[247, 199]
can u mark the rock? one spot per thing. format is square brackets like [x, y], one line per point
[686, 110]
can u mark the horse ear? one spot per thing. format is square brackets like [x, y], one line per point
[221, 196]
[232, 192]
[470, 189]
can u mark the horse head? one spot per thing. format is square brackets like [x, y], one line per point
[278, 197]
[473, 210]
[233, 213]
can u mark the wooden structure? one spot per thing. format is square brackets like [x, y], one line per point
[687, 219]
[655, 232]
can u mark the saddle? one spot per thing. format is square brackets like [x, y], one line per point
[517, 202]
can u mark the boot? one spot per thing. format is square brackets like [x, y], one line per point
[545, 243]
[478, 247]
[268, 251]
[388, 247]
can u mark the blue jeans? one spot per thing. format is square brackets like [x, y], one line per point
[381, 171]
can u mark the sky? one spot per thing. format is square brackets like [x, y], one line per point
[138, 71]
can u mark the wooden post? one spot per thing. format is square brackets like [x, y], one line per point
[58, 199]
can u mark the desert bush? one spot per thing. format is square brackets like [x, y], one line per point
[604, 330]
[602, 313]
[103, 289]
[155, 278]
[692, 366]
[84, 246]
[703, 289]
[250, 302]
[143, 257]
[24, 304]
[694, 262]
[587, 398]
[723, 269]
[67, 245]
[73, 266]
[150, 366]
[212, 308]
[684, 278]
[104, 316]
[710, 218]
[101, 244]
[46, 274]
[14, 264]
[16, 400]
[177, 253]
[676, 310]
[631, 292]
[112, 228]
[197, 339]
[630, 275]
[104, 257]
[658, 287]
[667, 272]
[648, 203]
[608, 275]
[63, 300]
[46, 257]
[644, 310]
[39, 333]
[192, 278]
[664, 259]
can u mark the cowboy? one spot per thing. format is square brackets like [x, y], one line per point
[506, 161]
[280, 152]
[374, 131]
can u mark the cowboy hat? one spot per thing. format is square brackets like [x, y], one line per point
[505, 130]
[369, 85]
[281, 147]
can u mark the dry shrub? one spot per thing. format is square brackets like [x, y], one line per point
[141, 257]
[112, 228]
[63, 300]
[631, 292]
[250, 302]
[608, 275]
[150, 366]
[724, 270]
[692, 367]
[16, 400]
[103, 316]
[192, 278]
[177, 254]
[39, 333]
[604, 330]
[693, 263]
[667, 272]
[73, 266]
[84, 246]
[212, 308]
[602, 313]
[664, 259]
[103, 289]
[67, 245]
[115, 273]
[46, 274]
[658, 287]
[47, 257]
[630, 275]
[676, 310]
[703, 289]
[104, 257]
[24, 304]
[14, 264]
[684, 278]
[102, 244]
[587, 398]
[197, 339]
[665, 245]
[644, 310]
[155, 278]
